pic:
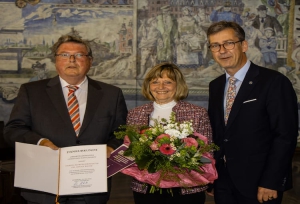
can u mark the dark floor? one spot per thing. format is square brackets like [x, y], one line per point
[121, 192]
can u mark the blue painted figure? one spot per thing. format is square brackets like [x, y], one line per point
[224, 13]
[268, 47]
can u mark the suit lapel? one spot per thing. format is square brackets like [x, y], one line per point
[219, 97]
[93, 100]
[247, 86]
[54, 90]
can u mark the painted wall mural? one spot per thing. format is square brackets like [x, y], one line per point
[26, 35]
[129, 37]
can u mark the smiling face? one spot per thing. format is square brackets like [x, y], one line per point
[231, 60]
[163, 89]
[73, 70]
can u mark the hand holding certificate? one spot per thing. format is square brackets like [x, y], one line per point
[67, 171]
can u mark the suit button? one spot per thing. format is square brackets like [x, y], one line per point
[226, 140]
[77, 141]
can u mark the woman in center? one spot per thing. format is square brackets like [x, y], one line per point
[164, 85]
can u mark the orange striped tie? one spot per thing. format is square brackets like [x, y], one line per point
[73, 108]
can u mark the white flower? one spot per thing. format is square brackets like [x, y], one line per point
[172, 138]
[173, 132]
[185, 133]
[154, 131]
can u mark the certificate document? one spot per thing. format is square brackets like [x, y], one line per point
[67, 171]
[117, 161]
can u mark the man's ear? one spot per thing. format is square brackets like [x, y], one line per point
[244, 46]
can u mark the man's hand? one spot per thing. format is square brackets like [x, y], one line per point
[109, 150]
[48, 143]
[265, 194]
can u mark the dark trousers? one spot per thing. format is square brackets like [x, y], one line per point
[167, 198]
[226, 193]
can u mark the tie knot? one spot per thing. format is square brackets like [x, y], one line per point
[72, 88]
[232, 80]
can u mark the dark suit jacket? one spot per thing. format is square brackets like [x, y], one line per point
[40, 111]
[261, 135]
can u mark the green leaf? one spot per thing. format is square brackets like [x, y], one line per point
[128, 152]
[144, 161]
[132, 135]
[205, 160]
[152, 167]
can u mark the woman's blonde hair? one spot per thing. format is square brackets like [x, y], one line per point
[172, 72]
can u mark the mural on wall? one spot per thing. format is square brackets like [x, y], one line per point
[175, 31]
[129, 37]
[27, 34]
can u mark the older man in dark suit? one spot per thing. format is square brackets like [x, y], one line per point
[68, 110]
[254, 118]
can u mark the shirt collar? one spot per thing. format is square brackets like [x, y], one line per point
[65, 84]
[240, 75]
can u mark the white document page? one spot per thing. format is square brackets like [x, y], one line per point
[82, 169]
[36, 167]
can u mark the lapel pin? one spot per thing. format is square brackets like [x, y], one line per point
[250, 82]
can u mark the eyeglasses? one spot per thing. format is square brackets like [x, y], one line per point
[66, 56]
[227, 45]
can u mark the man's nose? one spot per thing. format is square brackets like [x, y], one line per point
[222, 49]
[72, 58]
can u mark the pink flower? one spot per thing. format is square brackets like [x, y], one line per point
[189, 141]
[166, 149]
[201, 137]
[154, 146]
[161, 137]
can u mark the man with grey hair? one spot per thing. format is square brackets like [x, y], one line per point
[42, 115]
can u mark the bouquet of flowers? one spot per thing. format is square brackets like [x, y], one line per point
[169, 154]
